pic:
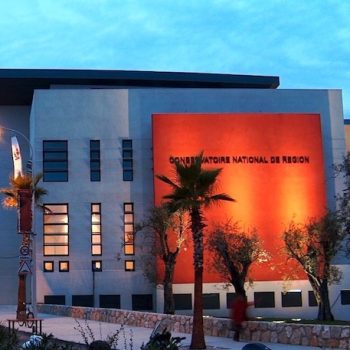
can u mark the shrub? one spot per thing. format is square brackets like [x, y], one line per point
[8, 339]
[162, 341]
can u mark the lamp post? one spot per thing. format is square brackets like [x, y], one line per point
[27, 252]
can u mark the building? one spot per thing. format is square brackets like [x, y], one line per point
[100, 136]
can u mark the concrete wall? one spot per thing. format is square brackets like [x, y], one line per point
[80, 116]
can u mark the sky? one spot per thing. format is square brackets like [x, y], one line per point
[304, 42]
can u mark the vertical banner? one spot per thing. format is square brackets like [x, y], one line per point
[16, 156]
[25, 211]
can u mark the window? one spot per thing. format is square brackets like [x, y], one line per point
[110, 301]
[183, 301]
[48, 266]
[345, 297]
[55, 299]
[127, 156]
[264, 299]
[129, 265]
[97, 266]
[129, 243]
[142, 302]
[95, 160]
[211, 301]
[56, 229]
[63, 266]
[96, 238]
[55, 161]
[83, 300]
[291, 299]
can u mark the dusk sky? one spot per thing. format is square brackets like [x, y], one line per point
[304, 42]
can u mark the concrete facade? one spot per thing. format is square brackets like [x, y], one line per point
[83, 113]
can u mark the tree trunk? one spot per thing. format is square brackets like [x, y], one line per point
[320, 288]
[239, 287]
[324, 307]
[197, 341]
[169, 304]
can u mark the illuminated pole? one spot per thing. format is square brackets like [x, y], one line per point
[25, 198]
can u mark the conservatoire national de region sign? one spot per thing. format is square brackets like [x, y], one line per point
[244, 159]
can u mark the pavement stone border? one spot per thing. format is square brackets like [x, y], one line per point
[323, 336]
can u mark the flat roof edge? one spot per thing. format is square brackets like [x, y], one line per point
[17, 85]
[132, 75]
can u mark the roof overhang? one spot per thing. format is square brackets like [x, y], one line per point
[17, 85]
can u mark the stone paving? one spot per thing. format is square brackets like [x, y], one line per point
[65, 328]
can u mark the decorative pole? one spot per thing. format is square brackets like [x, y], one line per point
[25, 215]
[24, 226]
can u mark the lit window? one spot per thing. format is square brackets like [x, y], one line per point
[127, 156]
[129, 249]
[48, 266]
[129, 244]
[97, 265]
[96, 232]
[95, 160]
[56, 229]
[64, 266]
[129, 265]
[55, 161]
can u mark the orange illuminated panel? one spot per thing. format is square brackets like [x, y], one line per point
[272, 165]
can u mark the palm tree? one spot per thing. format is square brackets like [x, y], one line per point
[22, 182]
[192, 191]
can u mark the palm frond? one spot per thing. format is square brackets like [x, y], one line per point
[8, 192]
[9, 202]
[36, 179]
[222, 197]
[193, 185]
[167, 181]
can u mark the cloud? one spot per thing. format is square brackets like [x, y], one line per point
[305, 42]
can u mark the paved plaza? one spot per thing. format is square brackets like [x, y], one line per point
[65, 328]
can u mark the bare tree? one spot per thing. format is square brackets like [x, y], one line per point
[313, 245]
[166, 232]
[233, 252]
[343, 200]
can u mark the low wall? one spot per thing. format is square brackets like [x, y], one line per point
[322, 336]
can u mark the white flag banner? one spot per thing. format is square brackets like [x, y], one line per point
[16, 156]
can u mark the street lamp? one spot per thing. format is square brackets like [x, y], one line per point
[25, 210]
[31, 151]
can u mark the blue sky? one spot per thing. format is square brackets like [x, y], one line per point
[304, 42]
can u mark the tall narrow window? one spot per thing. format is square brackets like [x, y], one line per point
[129, 244]
[95, 160]
[127, 155]
[55, 161]
[96, 239]
[56, 229]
